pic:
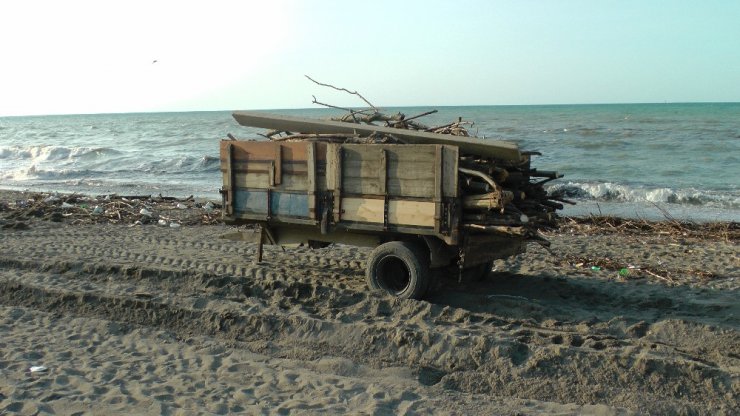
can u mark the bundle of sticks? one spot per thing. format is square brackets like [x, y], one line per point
[524, 202]
[374, 116]
[498, 196]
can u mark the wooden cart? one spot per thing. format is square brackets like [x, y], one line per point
[406, 200]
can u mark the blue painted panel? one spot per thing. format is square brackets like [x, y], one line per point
[281, 203]
[294, 205]
[253, 202]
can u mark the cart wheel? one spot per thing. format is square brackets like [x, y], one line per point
[399, 268]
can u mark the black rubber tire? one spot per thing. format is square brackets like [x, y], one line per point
[399, 268]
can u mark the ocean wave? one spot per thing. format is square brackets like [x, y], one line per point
[40, 172]
[59, 162]
[34, 172]
[42, 153]
[615, 192]
[182, 164]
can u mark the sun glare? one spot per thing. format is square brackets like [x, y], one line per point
[87, 57]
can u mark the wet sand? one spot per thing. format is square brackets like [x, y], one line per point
[148, 319]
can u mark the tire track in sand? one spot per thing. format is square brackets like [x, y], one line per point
[307, 305]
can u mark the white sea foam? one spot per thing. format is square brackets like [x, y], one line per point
[181, 164]
[34, 172]
[22, 174]
[615, 192]
[41, 153]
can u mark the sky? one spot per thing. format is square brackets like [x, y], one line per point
[80, 57]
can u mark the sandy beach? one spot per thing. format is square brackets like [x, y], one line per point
[141, 318]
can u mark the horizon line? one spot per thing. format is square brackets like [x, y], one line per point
[363, 108]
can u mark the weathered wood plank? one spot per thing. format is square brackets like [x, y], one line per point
[229, 179]
[332, 165]
[438, 173]
[278, 164]
[399, 188]
[383, 171]
[438, 186]
[362, 210]
[417, 213]
[361, 186]
[334, 177]
[413, 188]
[360, 168]
[298, 167]
[450, 161]
[394, 169]
[266, 150]
[400, 212]
[271, 174]
[406, 152]
[311, 178]
[262, 181]
[253, 202]
[289, 204]
[486, 148]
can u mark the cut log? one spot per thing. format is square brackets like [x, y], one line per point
[489, 201]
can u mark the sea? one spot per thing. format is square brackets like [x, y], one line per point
[643, 161]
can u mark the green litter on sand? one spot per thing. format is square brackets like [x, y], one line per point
[595, 268]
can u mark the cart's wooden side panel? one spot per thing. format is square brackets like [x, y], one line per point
[398, 171]
[263, 180]
[396, 185]
[367, 187]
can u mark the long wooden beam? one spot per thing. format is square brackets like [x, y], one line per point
[497, 149]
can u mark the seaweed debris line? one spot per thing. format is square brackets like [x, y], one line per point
[131, 210]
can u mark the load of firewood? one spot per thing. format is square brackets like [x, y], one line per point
[371, 116]
[521, 204]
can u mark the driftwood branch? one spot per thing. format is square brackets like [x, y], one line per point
[345, 90]
[351, 112]
[426, 113]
